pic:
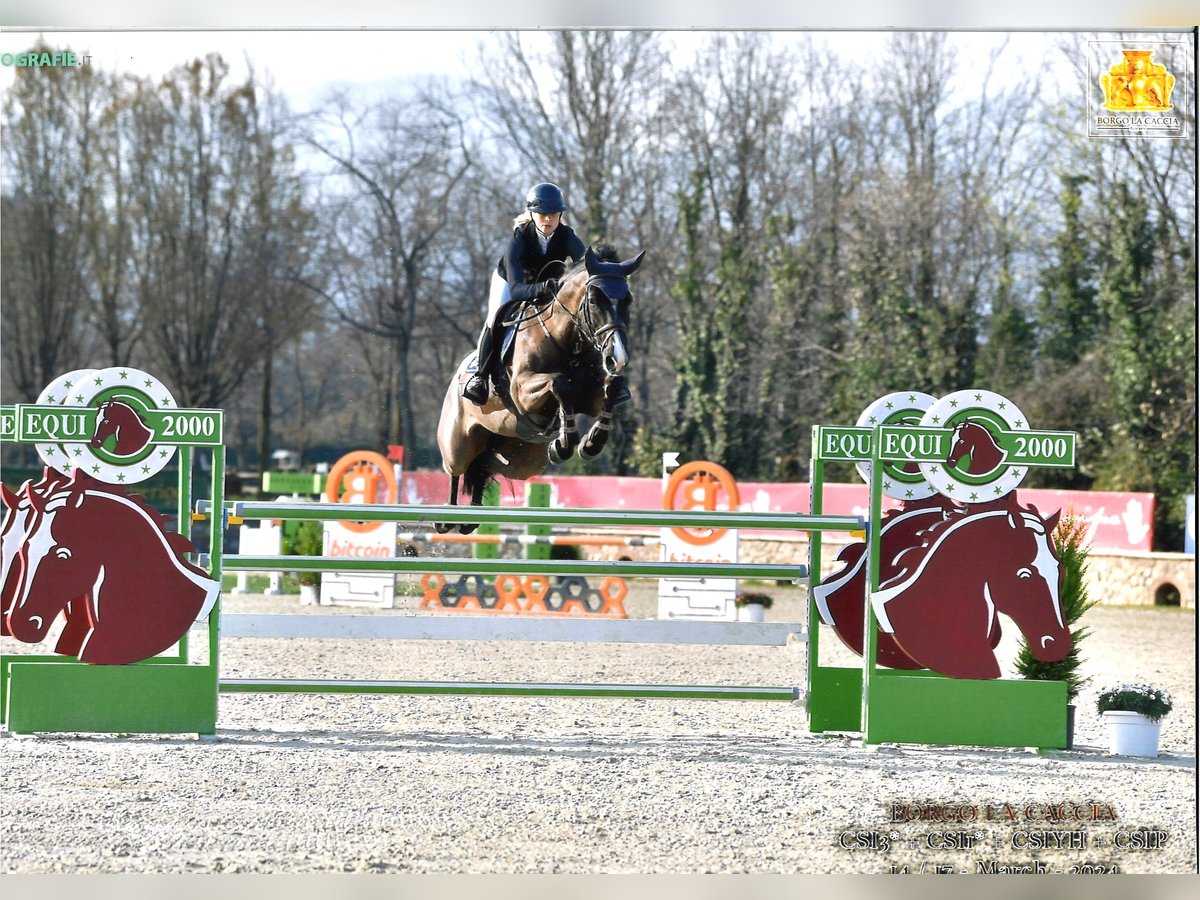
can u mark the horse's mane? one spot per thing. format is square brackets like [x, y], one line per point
[908, 561]
[80, 481]
[602, 252]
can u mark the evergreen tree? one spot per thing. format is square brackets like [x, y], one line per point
[1149, 367]
[1069, 317]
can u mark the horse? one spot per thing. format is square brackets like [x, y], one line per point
[106, 555]
[557, 386]
[941, 606]
[116, 418]
[841, 595]
[972, 440]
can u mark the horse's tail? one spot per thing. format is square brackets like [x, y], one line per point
[478, 475]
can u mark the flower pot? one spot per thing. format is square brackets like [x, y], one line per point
[310, 594]
[1070, 726]
[751, 612]
[1131, 734]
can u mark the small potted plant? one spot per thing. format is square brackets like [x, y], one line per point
[750, 607]
[1070, 544]
[1133, 714]
[307, 542]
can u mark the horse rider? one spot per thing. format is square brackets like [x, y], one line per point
[539, 238]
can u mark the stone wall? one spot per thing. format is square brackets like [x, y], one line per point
[1115, 578]
[1129, 578]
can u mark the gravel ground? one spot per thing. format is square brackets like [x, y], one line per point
[502, 785]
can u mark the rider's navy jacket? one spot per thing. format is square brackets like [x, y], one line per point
[523, 265]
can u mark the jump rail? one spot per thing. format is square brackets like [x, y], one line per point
[509, 689]
[533, 516]
[500, 628]
[468, 566]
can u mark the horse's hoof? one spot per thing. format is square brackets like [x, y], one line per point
[560, 453]
[442, 527]
[466, 528]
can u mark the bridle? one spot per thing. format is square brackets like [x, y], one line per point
[599, 338]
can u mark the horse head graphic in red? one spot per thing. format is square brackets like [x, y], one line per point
[972, 440]
[120, 419]
[941, 606]
[18, 512]
[841, 596]
[104, 559]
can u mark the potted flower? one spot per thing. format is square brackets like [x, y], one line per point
[750, 607]
[1133, 714]
[306, 541]
[1070, 544]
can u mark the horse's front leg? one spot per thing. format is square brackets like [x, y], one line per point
[564, 445]
[597, 437]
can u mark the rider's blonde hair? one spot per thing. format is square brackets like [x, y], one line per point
[524, 217]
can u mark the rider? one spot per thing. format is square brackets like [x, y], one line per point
[539, 239]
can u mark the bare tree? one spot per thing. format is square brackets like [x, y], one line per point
[217, 227]
[50, 119]
[390, 236]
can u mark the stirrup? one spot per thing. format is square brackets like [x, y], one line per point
[621, 396]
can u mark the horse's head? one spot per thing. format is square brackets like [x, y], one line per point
[972, 440]
[976, 562]
[962, 442]
[604, 299]
[1024, 583]
[116, 418]
[104, 558]
[18, 516]
[52, 572]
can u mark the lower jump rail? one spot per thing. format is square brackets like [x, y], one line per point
[511, 628]
[469, 566]
[508, 689]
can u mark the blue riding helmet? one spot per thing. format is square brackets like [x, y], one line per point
[545, 198]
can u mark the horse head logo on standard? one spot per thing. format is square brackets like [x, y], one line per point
[950, 564]
[76, 546]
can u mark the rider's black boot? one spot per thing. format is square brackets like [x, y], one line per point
[476, 388]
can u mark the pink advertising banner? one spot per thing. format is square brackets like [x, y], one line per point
[1116, 521]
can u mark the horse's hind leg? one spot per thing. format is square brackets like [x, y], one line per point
[443, 527]
[476, 481]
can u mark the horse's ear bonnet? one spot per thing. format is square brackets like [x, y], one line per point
[597, 266]
[611, 277]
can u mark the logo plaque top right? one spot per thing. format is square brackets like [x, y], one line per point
[1137, 89]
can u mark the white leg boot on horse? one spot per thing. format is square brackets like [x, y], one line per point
[562, 447]
[615, 394]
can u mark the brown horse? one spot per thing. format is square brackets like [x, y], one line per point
[556, 388]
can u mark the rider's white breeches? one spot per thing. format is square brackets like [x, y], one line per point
[498, 295]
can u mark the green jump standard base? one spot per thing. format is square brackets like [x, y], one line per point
[55, 695]
[927, 708]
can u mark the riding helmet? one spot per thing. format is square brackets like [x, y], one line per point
[545, 198]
